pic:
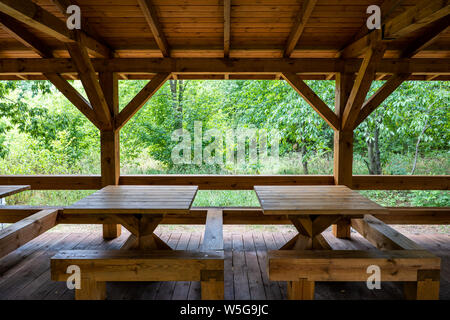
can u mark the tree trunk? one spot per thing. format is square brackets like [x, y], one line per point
[177, 88]
[373, 152]
[304, 160]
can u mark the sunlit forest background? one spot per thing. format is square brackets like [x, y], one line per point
[42, 133]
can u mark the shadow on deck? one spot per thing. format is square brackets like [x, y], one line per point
[25, 273]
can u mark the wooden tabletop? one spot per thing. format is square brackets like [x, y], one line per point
[137, 199]
[305, 200]
[10, 190]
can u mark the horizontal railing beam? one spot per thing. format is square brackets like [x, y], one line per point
[233, 216]
[229, 182]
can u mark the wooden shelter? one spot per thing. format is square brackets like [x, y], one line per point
[290, 40]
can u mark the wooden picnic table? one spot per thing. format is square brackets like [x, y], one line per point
[312, 209]
[6, 191]
[140, 209]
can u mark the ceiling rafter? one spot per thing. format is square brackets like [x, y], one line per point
[226, 28]
[34, 16]
[306, 10]
[152, 20]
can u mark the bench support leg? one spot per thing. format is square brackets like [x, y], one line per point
[91, 290]
[426, 287]
[341, 229]
[300, 290]
[212, 284]
[111, 231]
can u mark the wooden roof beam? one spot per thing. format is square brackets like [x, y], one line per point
[152, 19]
[387, 9]
[140, 99]
[24, 36]
[424, 13]
[312, 99]
[427, 37]
[226, 28]
[299, 26]
[212, 66]
[34, 16]
[91, 85]
[362, 85]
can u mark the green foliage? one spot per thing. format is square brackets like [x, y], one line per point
[42, 133]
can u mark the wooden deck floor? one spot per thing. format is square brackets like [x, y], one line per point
[25, 274]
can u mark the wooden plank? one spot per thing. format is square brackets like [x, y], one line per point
[427, 37]
[213, 238]
[423, 13]
[361, 86]
[226, 28]
[204, 67]
[21, 232]
[6, 191]
[141, 99]
[230, 182]
[156, 265]
[34, 16]
[348, 265]
[381, 235]
[137, 199]
[153, 22]
[299, 26]
[24, 36]
[312, 99]
[308, 200]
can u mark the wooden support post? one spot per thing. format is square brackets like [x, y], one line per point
[300, 290]
[212, 284]
[110, 145]
[91, 290]
[426, 287]
[343, 147]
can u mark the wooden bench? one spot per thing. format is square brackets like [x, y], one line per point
[301, 268]
[99, 266]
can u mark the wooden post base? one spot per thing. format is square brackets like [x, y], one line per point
[426, 287]
[341, 229]
[212, 284]
[91, 290]
[300, 290]
[111, 231]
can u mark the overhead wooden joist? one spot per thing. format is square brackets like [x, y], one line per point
[153, 22]
[226, 28]
[34, 16]
[427, 37]
[424, 13]
[301, 20]
[208, 66]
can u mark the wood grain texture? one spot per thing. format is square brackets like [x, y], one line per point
[307, 200]
[137, 199]
[10, 190]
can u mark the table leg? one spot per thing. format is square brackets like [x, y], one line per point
[300, 290]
